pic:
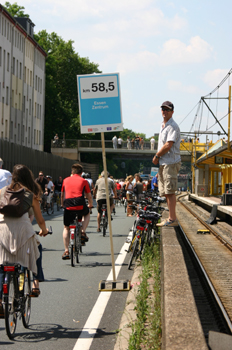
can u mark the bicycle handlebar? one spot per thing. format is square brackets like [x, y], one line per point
[49, 231]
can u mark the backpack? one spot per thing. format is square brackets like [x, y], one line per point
[11, 202]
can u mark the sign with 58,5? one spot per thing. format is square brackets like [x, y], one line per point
[99, 103]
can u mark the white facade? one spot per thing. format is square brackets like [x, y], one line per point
[22, 84]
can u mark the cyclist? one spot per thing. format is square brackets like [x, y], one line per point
[50, 189]
[100, 195]
[18, 241]
[43, 183]
[58, 185]
[73, 193]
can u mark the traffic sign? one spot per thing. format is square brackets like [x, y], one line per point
[99, 103]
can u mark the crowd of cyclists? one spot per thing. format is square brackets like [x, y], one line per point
[76, 194]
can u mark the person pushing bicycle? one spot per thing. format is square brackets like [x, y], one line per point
[73, 192]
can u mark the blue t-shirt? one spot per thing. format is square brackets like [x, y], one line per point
[154, 181]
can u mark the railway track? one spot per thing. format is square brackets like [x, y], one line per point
[212, 250]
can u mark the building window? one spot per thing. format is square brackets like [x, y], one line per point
[6, 128]
[8, 62]
[7, 95]
[13, 66]
[0, 56]
[11, 130]
[18, 132]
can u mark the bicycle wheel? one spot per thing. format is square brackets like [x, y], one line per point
[26, 312]
[10, 305]
[125, 205]
[104, 226]
[148, 236]
[72, 247]
[78, 244]
[48, 208]
[141, 245]
[134, 253]
[58, 203]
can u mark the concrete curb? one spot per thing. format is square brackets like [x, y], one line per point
[129, 314]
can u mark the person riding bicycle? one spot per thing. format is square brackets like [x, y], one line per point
[73, 193]
[100, 195]
[50, 189]
[18, 241]
[43, 183]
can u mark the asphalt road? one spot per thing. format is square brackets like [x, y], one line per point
[69, 294]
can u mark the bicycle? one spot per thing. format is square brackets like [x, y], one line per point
[75, 245]
[16, 296]
[56, 199]
[44, 207]
[137, 243]
[104, 219]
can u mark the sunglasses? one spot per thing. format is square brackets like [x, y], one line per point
[165, 109]
[40, 174]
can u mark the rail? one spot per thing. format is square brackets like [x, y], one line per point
[69, 143]
[74, 143]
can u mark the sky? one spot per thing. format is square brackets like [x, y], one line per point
[163, 50]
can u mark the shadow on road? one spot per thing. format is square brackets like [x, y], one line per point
[44, 332]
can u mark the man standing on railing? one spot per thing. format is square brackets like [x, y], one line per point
[168, 157]
[152, 141]
[119, 142]
[115, 142]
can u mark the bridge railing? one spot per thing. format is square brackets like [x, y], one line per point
[69, 143]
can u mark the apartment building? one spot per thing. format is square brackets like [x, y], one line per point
[22, 82]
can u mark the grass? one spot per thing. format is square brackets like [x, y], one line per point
[146, 331]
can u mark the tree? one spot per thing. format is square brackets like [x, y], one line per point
[63, 64]
[15, 10]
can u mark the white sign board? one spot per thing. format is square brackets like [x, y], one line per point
[99, 103]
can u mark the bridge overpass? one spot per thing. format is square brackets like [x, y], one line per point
[73, 149]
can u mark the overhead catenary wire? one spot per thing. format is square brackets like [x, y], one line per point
[209, 96]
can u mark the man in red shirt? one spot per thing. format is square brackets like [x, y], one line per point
[73, 192]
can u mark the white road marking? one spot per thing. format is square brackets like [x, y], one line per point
[90, 328]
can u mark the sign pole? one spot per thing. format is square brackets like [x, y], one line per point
[100, 111]
[108, 204]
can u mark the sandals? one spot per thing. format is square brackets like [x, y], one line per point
[35, 292]
[98, 230]
[84, 238]
[65, 256]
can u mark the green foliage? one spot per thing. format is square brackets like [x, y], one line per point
[15, 10]
[63, 65]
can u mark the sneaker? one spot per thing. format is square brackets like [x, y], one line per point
[171, 223]
[160, 224]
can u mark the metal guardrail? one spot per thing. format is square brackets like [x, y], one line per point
[69, 143]
[93, 144]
